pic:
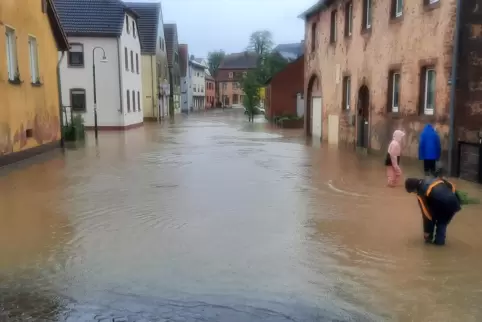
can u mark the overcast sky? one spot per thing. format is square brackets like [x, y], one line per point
[207, 25]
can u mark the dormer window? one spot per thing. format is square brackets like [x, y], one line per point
[127, 25]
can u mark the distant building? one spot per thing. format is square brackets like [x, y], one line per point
[155, 74]
[186, 92]
[95, 27]
[290, 52]
[229, 76]
[210, 91]
[172, 47]
[284, 91]
[29, 89]
[197, 72]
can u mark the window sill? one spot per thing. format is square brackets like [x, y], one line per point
[348, 37]
[431, 6]
[395, 19]
[366, 32]
[38, 84]
[15, 81]
[76, 66]
[395, 115]
[79, 111]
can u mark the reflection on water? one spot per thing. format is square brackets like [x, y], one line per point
[215, 219]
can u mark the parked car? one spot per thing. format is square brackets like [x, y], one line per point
[257, 111]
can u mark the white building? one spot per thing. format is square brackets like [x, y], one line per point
[95, 28]
[197, 72]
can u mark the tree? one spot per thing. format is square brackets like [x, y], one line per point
[215, 58]
[250, 86]
[261, 42]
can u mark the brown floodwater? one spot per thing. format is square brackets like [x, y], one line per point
[211, 218]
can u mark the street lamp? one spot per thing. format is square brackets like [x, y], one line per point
[103, 60]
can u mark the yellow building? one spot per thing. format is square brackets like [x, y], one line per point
[30, 39]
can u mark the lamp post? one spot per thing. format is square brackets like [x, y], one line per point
[103, 60]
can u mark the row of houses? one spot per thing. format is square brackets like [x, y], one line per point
[117, 60]
[371, 67]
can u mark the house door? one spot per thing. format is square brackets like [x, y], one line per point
[316, 121]
[363, 117]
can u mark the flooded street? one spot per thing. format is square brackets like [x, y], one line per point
[215, 219]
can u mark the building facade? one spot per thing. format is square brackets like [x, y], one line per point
[155, 76]
[210, 91]
[229, 76]
[29, 89]
[197, 72]
[374, 67]
[172, 48]
[284, 88]
[115, 50]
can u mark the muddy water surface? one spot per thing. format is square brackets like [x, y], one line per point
[215, 219]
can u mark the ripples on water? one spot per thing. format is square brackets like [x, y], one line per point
[214, 219]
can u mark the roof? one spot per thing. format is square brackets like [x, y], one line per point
[314, 9]
[57, 30]
[147, 23]
[290, 51]
[209, 77]
[196, 64]
[268, 81]
[244, 60]
[99, 18]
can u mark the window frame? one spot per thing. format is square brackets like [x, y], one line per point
[34, 59]
[313, 37]
[69, 56]
[128, 100]
[396, 13]
[393, 74]
[132, 62]
[133, 100]
[349, 19]
[71, 93]
[367, 15]
[427, 70]
[137, 63]
[134, 33]
[128, 27]
[126, 58]
[432, 2]
[333, 30]
[346, 92]
[139, 101]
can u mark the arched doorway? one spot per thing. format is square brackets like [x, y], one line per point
[363, 117]
[313, 110]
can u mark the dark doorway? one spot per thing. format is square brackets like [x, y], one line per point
[363, 116]
[313, 88]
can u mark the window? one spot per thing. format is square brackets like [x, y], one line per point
[137, 63]
[230, 75]
[11, 45]
[428, 90]
[33, 50]
[76, 55]
[333, 27]
[396, 8]
[194, 88]
[245, 74]
[346, 92]
[313, 37]
[133, 101]
[429, 2]
[128, 101]
[225, 86]
[132, 61]
[134, 29]
[127, 25]
[202, 89]
[367, 15]
[161, 43]
[126, 58]
[78, 100]
[138, 100]
[394, 91]
[348, 18]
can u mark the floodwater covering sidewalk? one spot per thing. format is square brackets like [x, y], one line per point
[215, 219]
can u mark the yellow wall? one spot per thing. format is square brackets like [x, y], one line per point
[149, 70]
[25, 106]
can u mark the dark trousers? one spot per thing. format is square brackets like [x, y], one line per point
[435, 229]
[429, 167]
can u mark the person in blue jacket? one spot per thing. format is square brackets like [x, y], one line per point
[429, 149]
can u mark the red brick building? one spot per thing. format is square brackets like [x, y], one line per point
[230, 73]
[375, 66]
[282, 89]
[210, 91]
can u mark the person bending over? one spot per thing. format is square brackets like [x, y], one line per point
[438, 202]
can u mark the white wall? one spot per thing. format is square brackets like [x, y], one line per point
[107, 78]
[198, 82]
[131, 80]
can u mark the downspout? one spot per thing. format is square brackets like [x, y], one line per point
[453, 81]
[119, 60]
[61, 107]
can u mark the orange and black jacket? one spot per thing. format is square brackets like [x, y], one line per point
[437, 198]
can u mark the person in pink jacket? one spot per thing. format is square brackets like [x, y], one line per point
[392, 161]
